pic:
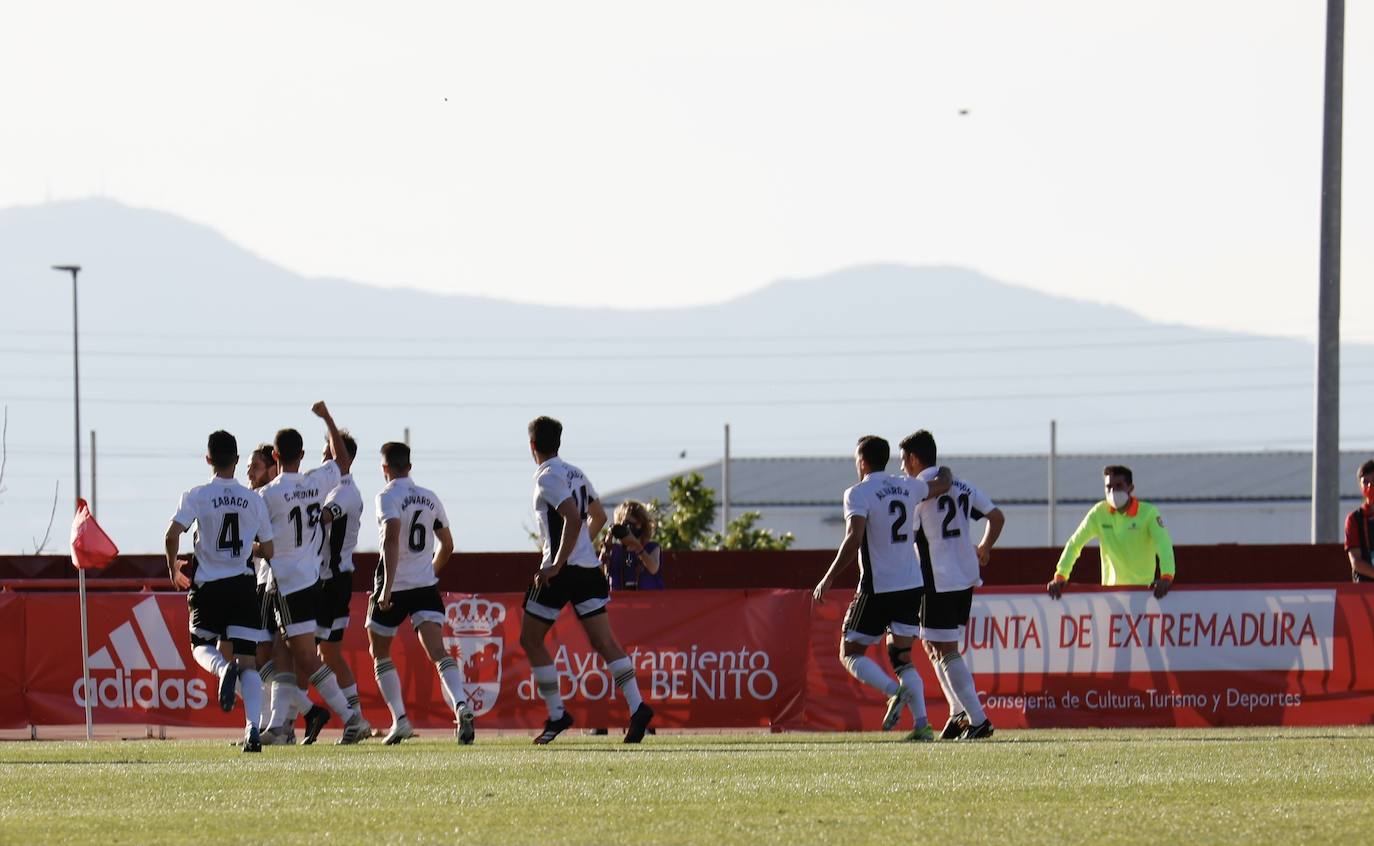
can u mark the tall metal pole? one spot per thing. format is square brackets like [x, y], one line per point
[1053, 493]
[725, 483]
[75, 270]
[1326, 454]
[92, 473]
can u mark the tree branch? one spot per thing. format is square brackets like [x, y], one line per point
[38, 547]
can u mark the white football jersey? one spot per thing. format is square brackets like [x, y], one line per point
[421, 515]
[343, 531]
[294, 502]
[554, 482]
[887, 559]
[228, 517]
[944, 538]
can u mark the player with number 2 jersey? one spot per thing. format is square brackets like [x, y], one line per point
[880, 514]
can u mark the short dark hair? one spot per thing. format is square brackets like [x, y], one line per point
[875, 451]
[921, 444]
[264, 451]
[1119, 470]
[223, 449]
[546, 434]
[290, 445]
[1367, 467]
[349, 444]
[397, 455]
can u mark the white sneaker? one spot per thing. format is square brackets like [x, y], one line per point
[278, 736]
[400, 731]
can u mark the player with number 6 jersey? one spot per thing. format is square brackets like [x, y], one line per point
[222, 596]
[569, 515]
[416, 542]
[880, 513]
[950, 566]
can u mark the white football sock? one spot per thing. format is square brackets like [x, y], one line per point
[955, 706]
[546, 682]
[283, 711]
[623, 670]
[211, 659]
[390, 683]
[351, 694]
[266, 672]
[303, 703]
[250, 683]
[961, 681]
[866, 670]
[328, 686]
[451, 678]
[917, 703]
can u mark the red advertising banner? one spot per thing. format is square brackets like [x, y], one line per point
[13, 709]
[1259, 655]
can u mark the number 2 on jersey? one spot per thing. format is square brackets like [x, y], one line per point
[898, 509]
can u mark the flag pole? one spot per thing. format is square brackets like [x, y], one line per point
[75, 270]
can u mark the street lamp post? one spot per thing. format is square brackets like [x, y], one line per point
[75, 270]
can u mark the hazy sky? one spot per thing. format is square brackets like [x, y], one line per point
[1164, 156]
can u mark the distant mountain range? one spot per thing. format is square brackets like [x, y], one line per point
[183, 332]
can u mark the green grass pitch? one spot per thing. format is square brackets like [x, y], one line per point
[1190, 786]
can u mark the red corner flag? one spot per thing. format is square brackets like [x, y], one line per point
[92, 549]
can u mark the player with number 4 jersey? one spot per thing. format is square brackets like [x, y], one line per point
[569, 515]
[416, 543]
[221, 594]
[880, 514]
[950, 564]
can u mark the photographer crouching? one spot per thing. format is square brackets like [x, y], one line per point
[630, 556]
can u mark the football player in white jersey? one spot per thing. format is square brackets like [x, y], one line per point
[570, 572]
[880, 514]
[950, 564]
[345, 507]
[416, 542]
[274, 662]
[295, 503]
[228, 518]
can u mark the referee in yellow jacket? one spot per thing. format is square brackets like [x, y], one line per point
[1131, 534]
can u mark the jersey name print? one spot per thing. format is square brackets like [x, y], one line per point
[887, 559]
[228, 517]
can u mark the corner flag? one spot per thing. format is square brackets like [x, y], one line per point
[92, 549]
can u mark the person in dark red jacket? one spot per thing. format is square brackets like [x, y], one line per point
[1359, 528]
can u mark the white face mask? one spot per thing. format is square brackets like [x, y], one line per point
[1118, 499]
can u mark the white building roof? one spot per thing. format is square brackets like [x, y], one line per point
[1024, 479]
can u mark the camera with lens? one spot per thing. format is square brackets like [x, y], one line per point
[620, 531]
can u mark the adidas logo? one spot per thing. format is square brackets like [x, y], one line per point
[134, 682]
